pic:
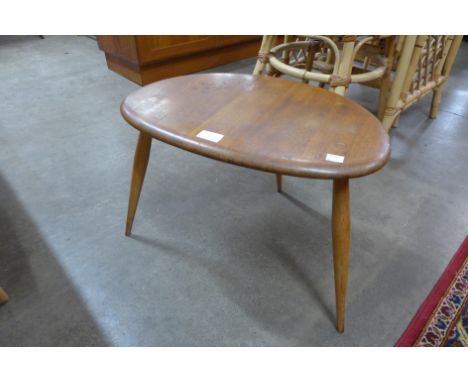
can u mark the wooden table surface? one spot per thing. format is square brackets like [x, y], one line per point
[268, 124]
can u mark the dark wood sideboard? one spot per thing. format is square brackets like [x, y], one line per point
[145, 59]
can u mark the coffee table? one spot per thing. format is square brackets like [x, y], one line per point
[268, 124]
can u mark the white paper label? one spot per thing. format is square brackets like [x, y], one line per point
[210, 136]
[334, 158]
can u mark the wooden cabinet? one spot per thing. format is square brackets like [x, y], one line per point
[145, 59]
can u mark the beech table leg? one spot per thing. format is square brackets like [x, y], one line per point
[341, 228]
[3, 296]
[140, 163]
[279, 182]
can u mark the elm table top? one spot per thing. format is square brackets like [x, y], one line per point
[268, 124]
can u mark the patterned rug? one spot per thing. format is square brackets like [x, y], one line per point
[442, 319]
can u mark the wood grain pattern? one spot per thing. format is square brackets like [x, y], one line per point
[160, 48]
[140, 163]
[269, 124]
[145, 59]
[341, 231]
[198, 61]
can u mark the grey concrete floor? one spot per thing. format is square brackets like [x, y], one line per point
[217, 257]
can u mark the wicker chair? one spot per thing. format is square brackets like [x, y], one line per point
[421, 65]
[336, 61]
[403, 68]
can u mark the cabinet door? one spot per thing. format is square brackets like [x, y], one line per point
[156, 48]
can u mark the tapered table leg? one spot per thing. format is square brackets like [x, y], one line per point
[279, 182]
[3, 296]
[341, 228]
[140, 163]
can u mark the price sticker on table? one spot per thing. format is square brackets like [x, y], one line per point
[210, 136]
[334, 158]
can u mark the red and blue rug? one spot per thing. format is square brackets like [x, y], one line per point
[442, 319]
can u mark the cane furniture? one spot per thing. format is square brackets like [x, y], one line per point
[403, 68]
[267, 124]
[422, 65]
[326, 59]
